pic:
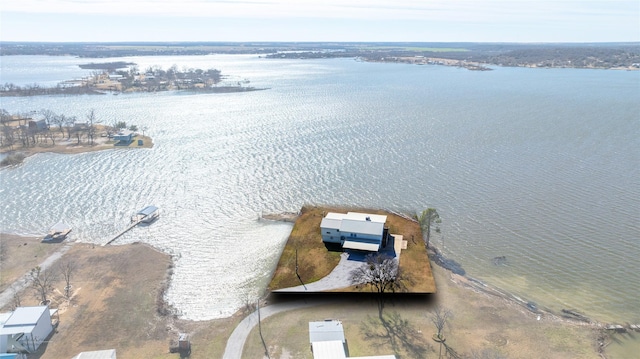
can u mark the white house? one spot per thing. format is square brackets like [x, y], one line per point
[328, 341]
[354, 230]
[26, 328]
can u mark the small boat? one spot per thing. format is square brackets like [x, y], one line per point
[146, 215]
[58, 232]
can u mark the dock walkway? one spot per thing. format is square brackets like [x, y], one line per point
[133, 224]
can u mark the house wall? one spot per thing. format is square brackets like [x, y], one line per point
[41, 331]
[361, 237]
[331, 235]
[3, 343]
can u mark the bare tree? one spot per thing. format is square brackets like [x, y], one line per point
[17, 299]
[69, 122]
[48, 116]
[67, 269]
[440, 318]
[42, 282]
[91, 122]
[8, 135]
[380, 273]
[56, 120]
[428, 218]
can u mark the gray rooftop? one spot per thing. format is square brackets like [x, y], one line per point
[327, 330]
[364, 227]
[26, 316]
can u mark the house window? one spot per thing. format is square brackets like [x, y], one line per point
[328, 232]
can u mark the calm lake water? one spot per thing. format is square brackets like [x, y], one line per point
[538, 165]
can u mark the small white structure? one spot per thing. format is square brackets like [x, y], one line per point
[327, 339]
[28, 327]
[146, 215]
[97, 354]
[354, 230]
[328, 342]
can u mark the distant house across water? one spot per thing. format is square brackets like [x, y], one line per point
[124, 137]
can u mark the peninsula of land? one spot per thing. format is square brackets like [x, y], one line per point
[46, 131]
[124, 77]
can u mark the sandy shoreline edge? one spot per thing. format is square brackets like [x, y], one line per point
[491, 297]
[460, 280]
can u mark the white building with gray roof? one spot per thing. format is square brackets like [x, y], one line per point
[354, 230]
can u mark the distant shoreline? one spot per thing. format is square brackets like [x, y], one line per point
[616, 56]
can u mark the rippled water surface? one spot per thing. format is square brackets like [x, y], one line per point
[539, 166]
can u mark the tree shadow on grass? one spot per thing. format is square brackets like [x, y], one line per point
[393, 330]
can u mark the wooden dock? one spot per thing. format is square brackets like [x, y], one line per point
[133, 224]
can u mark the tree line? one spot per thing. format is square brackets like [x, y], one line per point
[42, 282]
[26, 130]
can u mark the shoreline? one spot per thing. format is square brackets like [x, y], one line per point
[459, 276]
[451, 292]
[463, 281]
[460, 279]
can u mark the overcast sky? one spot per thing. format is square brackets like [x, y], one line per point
[321, 20]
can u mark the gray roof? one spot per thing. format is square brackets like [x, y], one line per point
[148, 210]
[23, 320]
[331, 223]
[26, 315]
[326, 331]
[358, 216]
[364, 227]
[355, 222]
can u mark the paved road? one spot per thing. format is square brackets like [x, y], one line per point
[236, 341]
[23, 282]
[338, 278]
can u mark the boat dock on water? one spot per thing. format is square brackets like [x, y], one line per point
[146, 215]
[58, 232]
